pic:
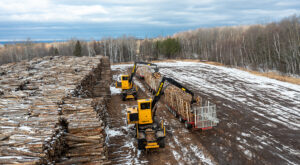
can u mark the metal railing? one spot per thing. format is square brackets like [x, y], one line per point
[205, 116]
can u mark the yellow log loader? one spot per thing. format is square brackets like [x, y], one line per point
[125, 82]
[150, 133]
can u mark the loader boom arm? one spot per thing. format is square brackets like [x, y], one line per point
[160, 90]
[134, 69]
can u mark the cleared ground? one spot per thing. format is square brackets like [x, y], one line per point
[259, 118]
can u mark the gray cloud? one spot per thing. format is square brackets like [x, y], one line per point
[140, 15]
[154, 12]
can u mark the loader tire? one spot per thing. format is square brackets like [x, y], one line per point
[161, 143]
[141, 145]
[123, 97]
[135, 96]
[187, 125]
[181, 120]
[175, 114]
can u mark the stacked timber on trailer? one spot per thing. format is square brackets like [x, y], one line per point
[152, 79]
[141, 71]
[179, 101]
[33, 99]
[201, 114]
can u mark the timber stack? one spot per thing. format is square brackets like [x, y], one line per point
[35, 97]
[85, 137]
[200, 114]
[152, 79]
[178, 100]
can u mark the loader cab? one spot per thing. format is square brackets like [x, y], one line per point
[144, 111]
[123, 82]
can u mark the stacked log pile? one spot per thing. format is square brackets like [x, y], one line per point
[85, 137]
[93, 84]
[152, 79]
[101, 87]
[32, 94]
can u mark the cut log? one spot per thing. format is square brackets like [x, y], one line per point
[74, 161]
[81, 140]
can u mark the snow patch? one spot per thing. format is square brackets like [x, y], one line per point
[121, 67]
[176, 155]
[245, 134]
[26, 128]
[114, 90]
[200, 154]
[248, 154]
[112, 133]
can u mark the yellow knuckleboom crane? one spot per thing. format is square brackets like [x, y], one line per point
[150, 133]
[125, 82]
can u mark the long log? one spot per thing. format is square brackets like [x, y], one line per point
[79, 130]
[89, 151]
[81, 140]
[80, 145]
[5, 136]
[17, 161]
[74, 161]
[8, 152]
[85, 154]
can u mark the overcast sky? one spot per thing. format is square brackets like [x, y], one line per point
[86, 19]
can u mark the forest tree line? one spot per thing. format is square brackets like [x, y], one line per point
[273, 46]
[118, 49]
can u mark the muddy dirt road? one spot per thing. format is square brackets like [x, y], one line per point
[259, 117]
[181, 145]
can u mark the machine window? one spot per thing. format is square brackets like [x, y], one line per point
[119, 78]
[125, 78]
[145, 105]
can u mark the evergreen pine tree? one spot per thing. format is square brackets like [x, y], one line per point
[56, 51]
[77, 50]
